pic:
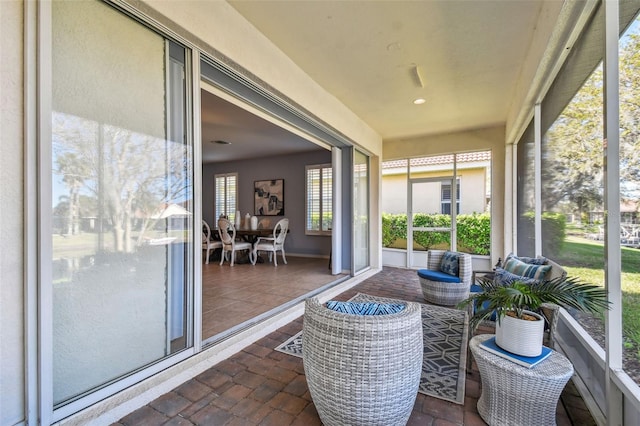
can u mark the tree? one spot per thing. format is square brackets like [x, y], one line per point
[572, 169]
[127, 173]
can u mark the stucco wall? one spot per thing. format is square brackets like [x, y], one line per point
[11, 215]
[472, 193]
[492, 139]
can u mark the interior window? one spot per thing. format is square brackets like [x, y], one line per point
[319, 196]
[226, 195]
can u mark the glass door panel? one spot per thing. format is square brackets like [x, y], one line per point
[122, 199]
[360, 211]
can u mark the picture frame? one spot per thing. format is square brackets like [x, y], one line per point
[268, 197]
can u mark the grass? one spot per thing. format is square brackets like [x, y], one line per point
[585, 259]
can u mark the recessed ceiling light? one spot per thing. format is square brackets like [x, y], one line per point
[419, 101]
[219, 142]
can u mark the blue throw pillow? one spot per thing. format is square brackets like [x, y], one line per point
[365, 308]
[503, 277]
[450, 263]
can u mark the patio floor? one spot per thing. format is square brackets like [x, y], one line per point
[261, 386]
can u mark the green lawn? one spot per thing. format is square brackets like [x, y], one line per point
[585, 259]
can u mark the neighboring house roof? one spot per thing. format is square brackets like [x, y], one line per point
[467, 157]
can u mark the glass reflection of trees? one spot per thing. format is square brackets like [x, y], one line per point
[113, 180]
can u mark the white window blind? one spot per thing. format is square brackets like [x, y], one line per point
[226, 187]
[319, 199]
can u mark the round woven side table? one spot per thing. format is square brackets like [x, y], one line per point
[516, 395]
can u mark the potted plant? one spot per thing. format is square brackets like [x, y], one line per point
[519, 326]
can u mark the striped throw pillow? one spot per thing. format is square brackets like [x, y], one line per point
[518, 267]
[365, 308]
[502, 277]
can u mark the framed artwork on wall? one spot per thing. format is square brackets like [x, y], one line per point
[269, 197]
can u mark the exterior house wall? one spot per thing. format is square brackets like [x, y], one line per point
[472, 193]
[12, 297]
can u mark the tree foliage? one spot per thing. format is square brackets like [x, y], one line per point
[572, 168]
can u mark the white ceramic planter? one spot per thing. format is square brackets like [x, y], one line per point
[520, 337]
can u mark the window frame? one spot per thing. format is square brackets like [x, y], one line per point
[444, 201]
[230, 213]
[321, 210]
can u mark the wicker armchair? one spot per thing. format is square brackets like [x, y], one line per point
[444, 289]
[362, 370]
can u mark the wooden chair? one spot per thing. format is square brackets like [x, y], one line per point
[273, 244]
[227, 234]
[207, 243]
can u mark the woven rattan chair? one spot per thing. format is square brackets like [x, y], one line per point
[443, 289]
[362, 370]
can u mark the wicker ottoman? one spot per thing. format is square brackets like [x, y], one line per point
[362, 369]
[513, 395]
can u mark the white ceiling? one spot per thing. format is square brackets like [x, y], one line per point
[469, 54]
[248, 135]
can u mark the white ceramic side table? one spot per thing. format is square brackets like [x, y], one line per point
[515, 395]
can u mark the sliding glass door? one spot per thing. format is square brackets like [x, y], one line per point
[122, 199]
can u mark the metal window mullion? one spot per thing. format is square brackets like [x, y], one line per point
[336, 216]
[454, 206]
[44, 170]
[537, 189]
[194, 129]
[409, 258]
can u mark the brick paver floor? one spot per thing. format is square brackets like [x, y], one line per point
[261, 386]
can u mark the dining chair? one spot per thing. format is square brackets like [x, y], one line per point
[207, 243]
[272, 244]
[227, 233]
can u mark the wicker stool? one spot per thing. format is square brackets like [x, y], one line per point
[362, 369]
[515, 395]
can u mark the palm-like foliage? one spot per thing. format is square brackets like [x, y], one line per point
[518, 296]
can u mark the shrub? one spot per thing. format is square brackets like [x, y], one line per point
[394, 227]
[474, 232]
[428, 239]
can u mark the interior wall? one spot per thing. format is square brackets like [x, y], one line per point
[12, 368]
[291, 168]
[492, 138]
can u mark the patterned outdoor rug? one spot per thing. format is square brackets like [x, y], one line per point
[445, 349]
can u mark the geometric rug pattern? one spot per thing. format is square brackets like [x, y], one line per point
[445, 336]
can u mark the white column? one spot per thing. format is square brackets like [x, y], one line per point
[613, 263]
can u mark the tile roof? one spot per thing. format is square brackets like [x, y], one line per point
[466, 157]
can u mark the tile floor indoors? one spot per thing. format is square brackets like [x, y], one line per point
[261, 386]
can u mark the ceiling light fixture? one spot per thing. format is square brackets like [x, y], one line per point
[220, 142]
[419, 101]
